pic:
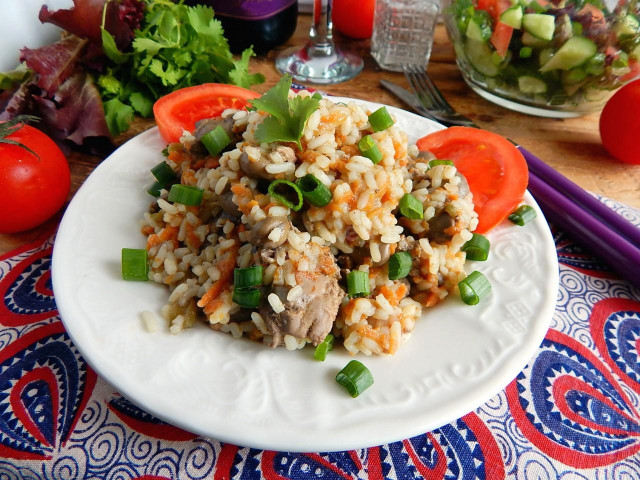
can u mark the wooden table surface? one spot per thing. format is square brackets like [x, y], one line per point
[572, 146]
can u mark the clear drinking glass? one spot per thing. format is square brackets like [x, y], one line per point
[403, 32]
[319, 61]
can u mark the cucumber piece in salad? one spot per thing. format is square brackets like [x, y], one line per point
[479, 27]
[474, 31]
[627, 26]
[529, 40]
[479, 55]
[540, 25]
[549, 49]
[512, 16]
[574, 52]
[529, 84]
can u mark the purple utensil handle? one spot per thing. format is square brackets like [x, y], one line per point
[616, 251]
[562, 184]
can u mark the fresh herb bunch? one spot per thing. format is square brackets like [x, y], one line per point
[176, 46]
[114, 60]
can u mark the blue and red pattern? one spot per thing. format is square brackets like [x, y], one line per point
[573, 412]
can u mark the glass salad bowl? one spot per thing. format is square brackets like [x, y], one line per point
[558, 58]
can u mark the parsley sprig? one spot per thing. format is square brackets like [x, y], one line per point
[288, 116]
[176, 46]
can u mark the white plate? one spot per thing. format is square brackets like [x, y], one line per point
[248, 394]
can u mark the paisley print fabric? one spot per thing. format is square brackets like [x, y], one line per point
[573, 411]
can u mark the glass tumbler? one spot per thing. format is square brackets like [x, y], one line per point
[403, 32]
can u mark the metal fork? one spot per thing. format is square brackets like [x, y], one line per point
[432, 98]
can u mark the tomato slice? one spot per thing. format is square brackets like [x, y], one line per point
[180, 110]
[501, 37]
[495, 169]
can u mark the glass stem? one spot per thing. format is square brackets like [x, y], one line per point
[321, 32]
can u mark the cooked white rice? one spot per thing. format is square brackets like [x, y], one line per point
[193, 250]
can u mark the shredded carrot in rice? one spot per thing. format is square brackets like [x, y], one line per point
[214, 304]
[374, 272]
[240, 190]
[347, 310]
[350, 150]
[167, 233]
[394, 296]
[191, 238]
[212, 162]
[428, 299]
[147, 230]
[188, 177]
[225, 266]
[308, 156]
[382, 339]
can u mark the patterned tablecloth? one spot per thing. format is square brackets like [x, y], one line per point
[572, 413]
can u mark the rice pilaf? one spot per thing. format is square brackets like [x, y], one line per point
[306, 255]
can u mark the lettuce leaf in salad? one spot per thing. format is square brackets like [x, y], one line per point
[54, 63]
[15, 77]
[85, 19]
[75, 112]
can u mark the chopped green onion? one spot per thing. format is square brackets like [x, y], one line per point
[163, 173]
[215, 140]
[380, 119]
[185, 194]
[621, 61]
[355, 377]
[154, 190]
[314, 191]
[523, 215]
[323, 348]
[435, 163]
[134, 264]
[595, 65]
[165, 152]
[369, 149]
[410, 207]
[474, 287]
[317, 96]
[287, 193]
[525, 52]
[357, 284]
[477, 248]
[247, 277]
[576, 28]
[399, 265]
[246, 297]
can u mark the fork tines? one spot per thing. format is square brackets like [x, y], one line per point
[432, 98]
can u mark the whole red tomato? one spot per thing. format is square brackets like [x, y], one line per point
[620, 123]
[354, 18]
[32, 188]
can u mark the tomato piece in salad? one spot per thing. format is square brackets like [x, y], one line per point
[494, 7]
[501, 37]
[495, 169]
[180, 110]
